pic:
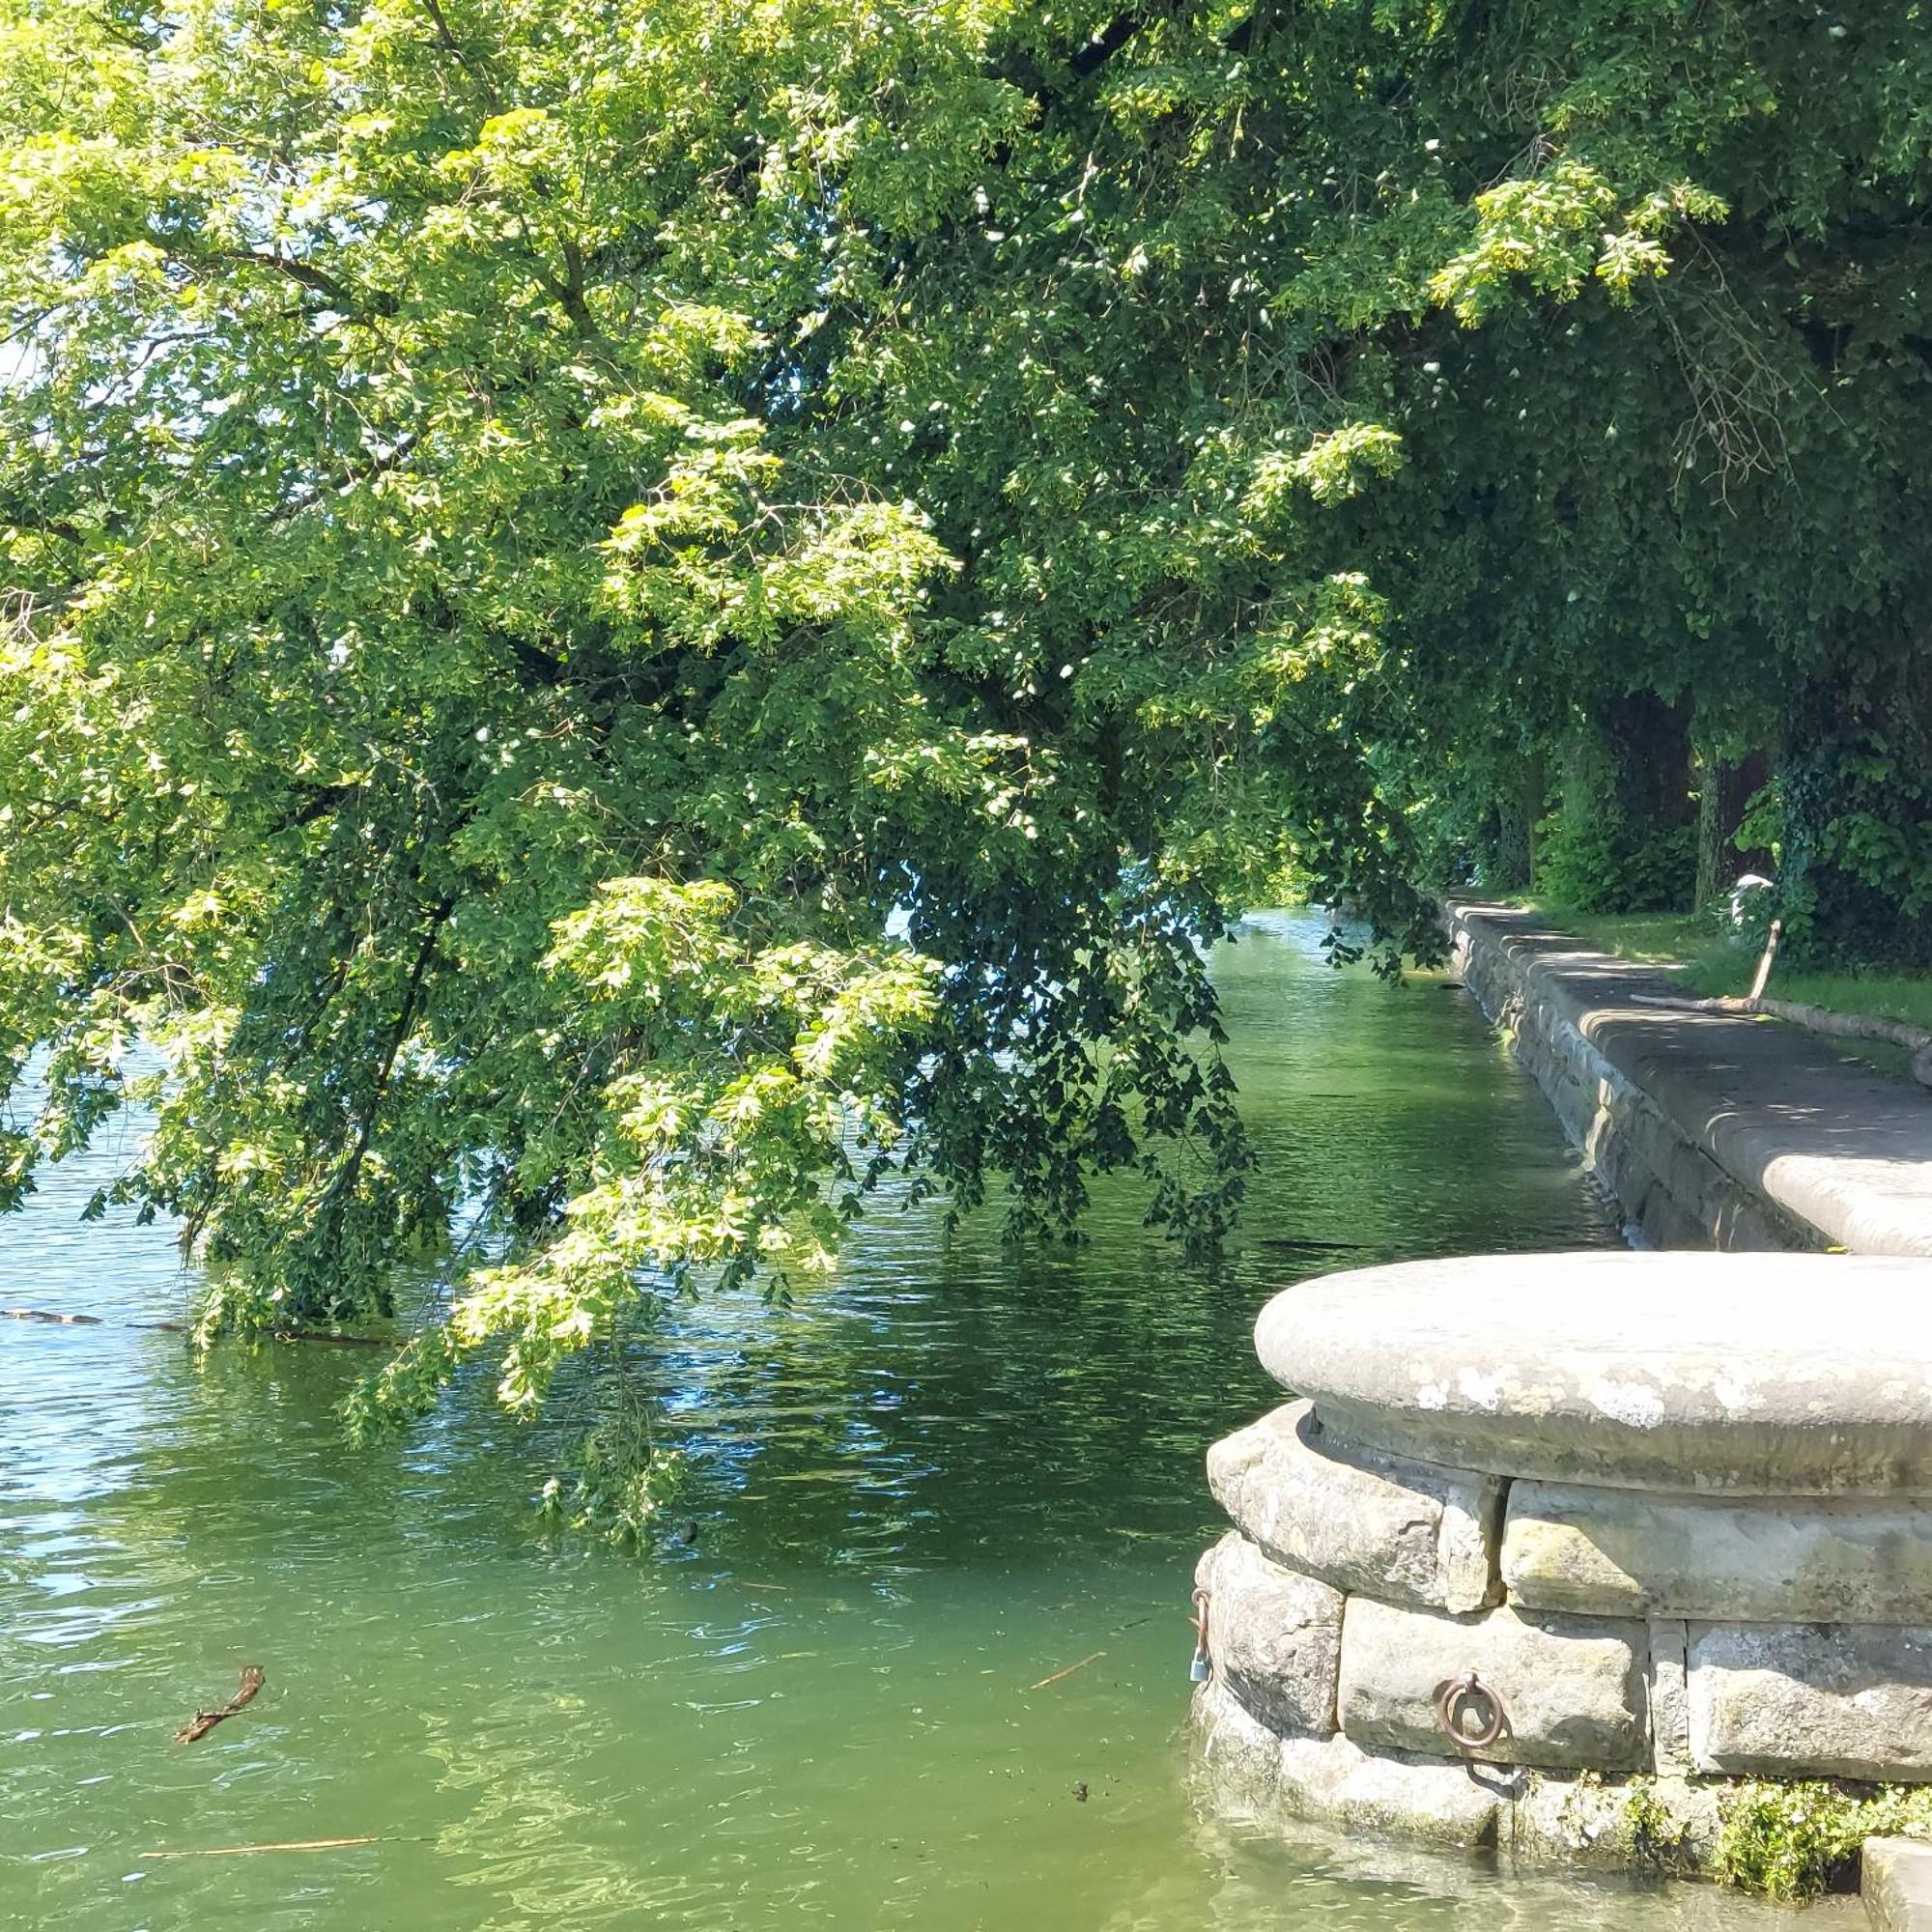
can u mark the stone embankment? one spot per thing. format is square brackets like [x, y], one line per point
[1550, 1548]
[1712, 1129]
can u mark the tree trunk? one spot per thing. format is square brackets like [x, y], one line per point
[1651, 812]
[1650, 742]
[1726, 790]
[1516, 813]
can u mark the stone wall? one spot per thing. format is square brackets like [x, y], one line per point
[1370, 1611]
[1656, 1156]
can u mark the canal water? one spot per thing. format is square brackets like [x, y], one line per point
[918, 1659]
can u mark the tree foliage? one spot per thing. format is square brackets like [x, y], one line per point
[625, 616]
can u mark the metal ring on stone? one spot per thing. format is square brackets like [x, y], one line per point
[1456, 1691]
[1200, 1618]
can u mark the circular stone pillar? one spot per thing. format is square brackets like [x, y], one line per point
[1548, 1548]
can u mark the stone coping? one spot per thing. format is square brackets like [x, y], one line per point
[1742, 1373]
[1840, 1151]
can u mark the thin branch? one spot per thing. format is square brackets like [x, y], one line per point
[356, 473]
[454, 48]
[346, 1174]
[339, 295]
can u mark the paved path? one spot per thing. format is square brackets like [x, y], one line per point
[1844, 1150]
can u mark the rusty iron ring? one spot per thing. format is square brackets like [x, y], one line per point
[1202, 1600]
[1459, 1689]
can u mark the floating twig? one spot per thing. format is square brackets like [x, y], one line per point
[287, 1845]
[202, 1723]
[1068, 1671]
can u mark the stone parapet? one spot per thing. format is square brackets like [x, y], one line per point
[1551, 1547]
[1748, 1374]
[1667, 1181]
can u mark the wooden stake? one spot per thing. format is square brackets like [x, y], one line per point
[1764, 965]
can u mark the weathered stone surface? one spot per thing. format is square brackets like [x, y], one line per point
[1670, 1697]
[1573, 1686]
[1536, 1818]
[1809, 1700]
[1665, 1825]
[1626, 1552]
[1331, 1780]
[1896, 1879]
[1274, 1637]
[1336, 1780]
[1241, 1754]
[1407, 1532]
[1706, 1370]
[1560, 1820]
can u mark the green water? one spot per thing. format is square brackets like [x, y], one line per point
[946, 1477]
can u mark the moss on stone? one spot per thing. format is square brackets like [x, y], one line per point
[1655, 1839]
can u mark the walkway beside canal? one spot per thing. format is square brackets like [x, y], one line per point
[1712, 1129]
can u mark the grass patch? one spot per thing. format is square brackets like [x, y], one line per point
[1690, 945]
[1651, 938]
[1891, 996]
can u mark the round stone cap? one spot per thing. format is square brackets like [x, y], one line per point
[1758, 1375]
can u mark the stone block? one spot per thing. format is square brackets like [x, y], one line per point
[1405, 1532]
[1587, 1822]
[1240, 1753]
[1895, 1878]
[1274, 1636]
[1631, 1552]
[1670, 1697]
[1811, 1700]
[1572, 1688]
[1334, 1781]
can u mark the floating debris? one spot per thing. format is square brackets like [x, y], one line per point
[202, 1723]
[1068, 1671]
[286, 1845]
